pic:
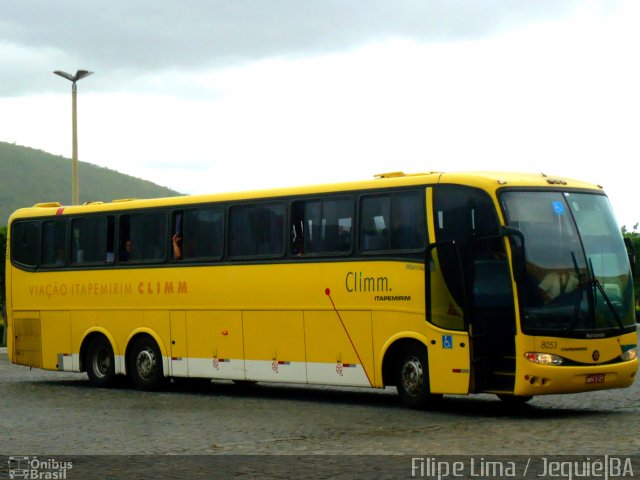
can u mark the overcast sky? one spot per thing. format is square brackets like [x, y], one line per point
[206, 96]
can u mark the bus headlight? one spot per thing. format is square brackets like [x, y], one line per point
[630, 354]
[543, 358]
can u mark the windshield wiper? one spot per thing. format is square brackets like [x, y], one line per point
[597, 285]
[578, 300]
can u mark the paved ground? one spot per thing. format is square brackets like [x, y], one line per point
[58, 414]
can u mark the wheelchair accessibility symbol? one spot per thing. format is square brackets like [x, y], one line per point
[447, 342]
[558, 208]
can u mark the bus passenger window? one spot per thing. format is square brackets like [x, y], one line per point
[25, 243]
[143, 237]
[111, 239]
[89, 239]
[393, 221]
[54, 242]
[124, 242]
[176, 237]
[198, 233]
[374, 223]
[321, 226]
[297, 229]
[256, 230]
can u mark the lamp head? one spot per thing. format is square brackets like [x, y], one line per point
[73, 78]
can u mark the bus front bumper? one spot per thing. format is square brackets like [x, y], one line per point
[533, 379]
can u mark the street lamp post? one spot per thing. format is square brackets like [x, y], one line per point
[75, 188]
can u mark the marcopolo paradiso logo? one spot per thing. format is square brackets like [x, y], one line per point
[38, 468]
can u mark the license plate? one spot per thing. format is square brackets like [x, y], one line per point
[595, 378]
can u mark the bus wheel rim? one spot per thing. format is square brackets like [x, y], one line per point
[146, 363]
[101, 363]
[412, 376]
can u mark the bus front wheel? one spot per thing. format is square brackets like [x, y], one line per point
[413, 379]
[145, 364]
[100, 363]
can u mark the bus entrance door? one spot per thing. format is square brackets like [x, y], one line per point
[475, 295]
[449, 357]
[492, 326]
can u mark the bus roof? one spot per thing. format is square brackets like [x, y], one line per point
[489, 181]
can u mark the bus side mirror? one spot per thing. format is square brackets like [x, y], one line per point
[518, 262]
[631, 254]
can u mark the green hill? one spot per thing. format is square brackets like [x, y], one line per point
[29, 176]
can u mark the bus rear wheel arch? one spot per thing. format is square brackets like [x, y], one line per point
[144, 363]
[99, 361]
[406, 366]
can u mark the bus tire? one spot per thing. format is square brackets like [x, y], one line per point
[100, 363]
[412, 378]
[145, 364]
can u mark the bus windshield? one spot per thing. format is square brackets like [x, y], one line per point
[578, 274]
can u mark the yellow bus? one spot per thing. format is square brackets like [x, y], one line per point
[436, 283]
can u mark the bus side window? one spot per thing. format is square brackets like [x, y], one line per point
[375, 212]
[198, 233]
[89, 239]
[111, 239]
[408, 228]
[204, 233]
[337, 215]
[322, 226]
[124, 240]
[143, 237]
[296, 244]
[54, 242]
[392, 222]
[25, 243]
[177, 235]
[257, 230]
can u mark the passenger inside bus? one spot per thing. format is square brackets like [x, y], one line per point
[125, 252]
[176, 240]
[556, 284]
[60, 256]
[344, 239]
[298, 246]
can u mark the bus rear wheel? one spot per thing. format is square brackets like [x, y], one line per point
[145, 364]
[412, 379]
[100, 362]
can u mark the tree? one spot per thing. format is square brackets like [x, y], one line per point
[3, 316]
[635, 239]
